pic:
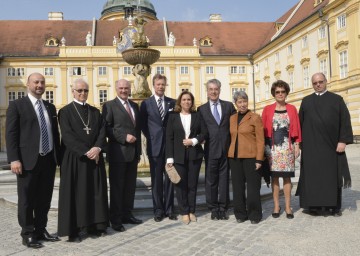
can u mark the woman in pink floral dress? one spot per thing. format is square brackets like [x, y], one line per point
[282, 138]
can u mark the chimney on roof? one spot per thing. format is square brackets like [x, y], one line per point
[215, 18]
[56, 16]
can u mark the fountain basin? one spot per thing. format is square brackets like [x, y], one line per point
[136, 56]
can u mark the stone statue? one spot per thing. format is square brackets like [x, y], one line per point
[130, 20]
[88, 39]
[194, 42]
[139, 39]
[141, 72]
[114, 41]
[172, 39]
[63, 41]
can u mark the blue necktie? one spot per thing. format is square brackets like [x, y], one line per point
[44, 133]
[216, 113]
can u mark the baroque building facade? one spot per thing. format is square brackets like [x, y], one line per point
[313, 36]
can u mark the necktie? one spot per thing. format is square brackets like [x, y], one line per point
[129, 112]
[43, 127]
[216, 113]
[161, 109]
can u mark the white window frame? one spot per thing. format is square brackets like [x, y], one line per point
[16, 72]
[291, 80]
[209, 69]
[323, 66]
[78, 71]
[290, 50]
[49, 96]
[306, 77]
[102, 71]
[277, 57]
[267, 90]
[341, 21]
[21, 94]
[343, 64]
[11, 96]
[127, 70]
[160, 70]
[48, 71]
[103, 95]
[184, 70]
[242, 70]
[304, 41]
[322, 32]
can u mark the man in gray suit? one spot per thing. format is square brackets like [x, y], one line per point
[124, 134]
[216, 114]
[154, 113]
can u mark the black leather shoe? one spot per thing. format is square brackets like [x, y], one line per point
[241, 220]
[276, 214]
[289, 215]
[32, 242]
[215, 215]
[118, 227]
[223, 215]
[158, 218]
[45, 236]
[255, 221]
[74, 239]
[172, 216]
[336, 213]
[131, 220]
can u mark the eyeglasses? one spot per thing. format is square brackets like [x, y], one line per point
[318, 82]
[282, 92]
[82, 90]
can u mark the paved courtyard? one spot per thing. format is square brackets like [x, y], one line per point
[304, 235]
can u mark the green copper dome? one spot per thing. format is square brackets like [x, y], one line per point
[117, 6]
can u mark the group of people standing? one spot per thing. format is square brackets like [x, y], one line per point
[177, 136]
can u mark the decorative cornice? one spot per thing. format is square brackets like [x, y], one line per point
[238, 83]
[185, 84]
[289, 67]
[277, 72]
[103, 85]
[304, 60]
[322, 52]
[266, 77]
[341, 43]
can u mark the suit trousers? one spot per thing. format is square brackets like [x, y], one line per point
[35, 188]
[122, 179]
[217, 183]
[162, 188]
[245, 177]
[186, 189]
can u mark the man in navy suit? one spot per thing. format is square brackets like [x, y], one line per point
[216, 115]
[154, 113]
[32, 141]
[124, 134]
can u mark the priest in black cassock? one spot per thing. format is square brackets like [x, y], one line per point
[83, 203]
[326, 130]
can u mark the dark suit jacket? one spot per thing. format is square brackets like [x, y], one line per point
[23, 132]
[152, 126]
[118, 125]
[218, 142]
[175, 134]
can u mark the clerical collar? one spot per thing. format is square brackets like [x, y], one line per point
[321, 93]
[79, 102]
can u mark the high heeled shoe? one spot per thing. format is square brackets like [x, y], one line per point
[276, 214]
[289, 215]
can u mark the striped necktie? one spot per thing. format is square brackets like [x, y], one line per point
[43, 128]
[161, 109]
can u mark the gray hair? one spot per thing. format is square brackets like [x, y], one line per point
[240, 95]
[79, 81]
[213, 81]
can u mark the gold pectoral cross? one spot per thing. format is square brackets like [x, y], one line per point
[87, 129]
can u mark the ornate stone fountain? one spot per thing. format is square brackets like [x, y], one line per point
[141, 57]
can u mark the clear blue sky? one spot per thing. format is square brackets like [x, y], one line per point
[174, 10]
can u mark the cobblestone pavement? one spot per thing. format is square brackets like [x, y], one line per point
[304, 235]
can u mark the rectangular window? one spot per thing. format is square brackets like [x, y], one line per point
[267, 90]
[256, 68]
[11, 96]
[49, 96]
[16, 72]
[233, 70]
[160, 70]
[242, 70]
[266, 62]
[306, 76]
[289, 49]
[127, 70]
[341, 21]
[184, 70]
[102, 96]
[343, 64]
[323, 66]
[76, 71]
[304, 42]
[49, 71]
[20, 95]
[322, 32]
[209, 70]
[233, 90]
[291, 80]
[277, 57]
[102, 71]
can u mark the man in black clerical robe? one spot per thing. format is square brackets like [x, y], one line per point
[83, 203]
[326, 130]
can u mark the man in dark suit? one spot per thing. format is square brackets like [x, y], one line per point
[216, 115]
[32, 140]
[124, 134]
[154, 113]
